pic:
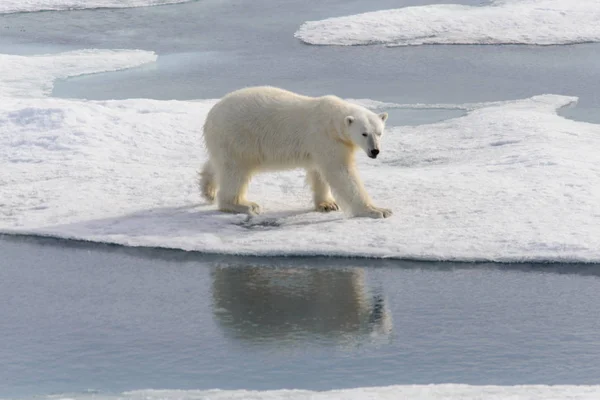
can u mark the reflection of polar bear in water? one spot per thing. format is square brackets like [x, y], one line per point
[275, 303]
[265, 128]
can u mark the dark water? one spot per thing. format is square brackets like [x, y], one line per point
[76, 317]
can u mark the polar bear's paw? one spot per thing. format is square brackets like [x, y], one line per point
[247, 207]
[375, 212]
[327, 206]
[385, 212]
[254, 208]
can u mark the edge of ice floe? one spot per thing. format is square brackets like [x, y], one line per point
[560, 102]
[347, 254]
[421, 391]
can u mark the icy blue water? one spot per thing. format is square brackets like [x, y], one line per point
[78, 317]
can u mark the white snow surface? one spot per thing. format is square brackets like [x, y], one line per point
[535, 22]
[398, 392]
[15, 6]
[509, 181]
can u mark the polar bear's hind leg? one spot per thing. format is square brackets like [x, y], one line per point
[233, 185]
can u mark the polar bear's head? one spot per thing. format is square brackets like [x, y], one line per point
[365, 128]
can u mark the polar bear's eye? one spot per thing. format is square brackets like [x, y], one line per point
[364, 134]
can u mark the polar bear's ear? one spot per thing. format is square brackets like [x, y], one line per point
[349, 120]
[383, 116]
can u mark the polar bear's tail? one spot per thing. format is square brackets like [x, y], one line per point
[207, 182]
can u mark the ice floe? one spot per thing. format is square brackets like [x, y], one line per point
[509, 181]
[535, 22]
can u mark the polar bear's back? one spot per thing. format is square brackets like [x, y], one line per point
[257, 106]
[263, 124]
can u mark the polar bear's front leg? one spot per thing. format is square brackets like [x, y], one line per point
[349, 190]
[322, 197]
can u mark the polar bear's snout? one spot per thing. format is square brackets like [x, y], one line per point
[372, 146]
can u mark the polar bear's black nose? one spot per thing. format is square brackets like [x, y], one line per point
[374, 153]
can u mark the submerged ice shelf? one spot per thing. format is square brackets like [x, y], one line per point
[535, 22]
[15, 6]
[509, 181]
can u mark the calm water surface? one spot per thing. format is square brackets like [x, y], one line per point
[78, 317]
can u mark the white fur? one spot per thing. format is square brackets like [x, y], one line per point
[265, 128]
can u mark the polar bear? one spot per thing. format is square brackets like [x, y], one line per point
[264, 128]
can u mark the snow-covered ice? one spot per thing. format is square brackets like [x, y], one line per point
[14, 6]
[397, 392]
[33, 76]
[509, 181]
[537, 22]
